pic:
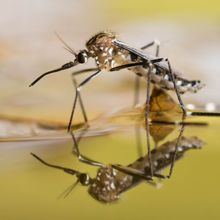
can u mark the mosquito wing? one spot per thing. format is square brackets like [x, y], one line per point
[145, 56]
[21, 129]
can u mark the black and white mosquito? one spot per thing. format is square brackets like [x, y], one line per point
[112, 55]
[109, 53]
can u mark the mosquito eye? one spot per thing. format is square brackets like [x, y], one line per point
[82, 57]
[84, 179]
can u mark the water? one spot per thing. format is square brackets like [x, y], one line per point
[31, 189]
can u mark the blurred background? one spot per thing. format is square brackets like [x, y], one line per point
[189, 32]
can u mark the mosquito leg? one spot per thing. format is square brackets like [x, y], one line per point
[81, 157]
[155, 42]
[137, 78]
[81, 135]
[79, 87]
[80, 97]
[176, 149]
[136, 90]
[133, 172]
[147, 118]
[160, 176]
[80, 101]
[126, 66]
[79, 72]
[138, 139]
[176, 90]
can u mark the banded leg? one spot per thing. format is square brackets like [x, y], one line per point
[147, 114]
[136, 91]
[150, 64]
[80, 156]
[142, 63]
[138, 139]
[176, 149]
[79, 87]
[138, 173]
[155, 42]
[170, 72]
[137, 78]
[176, 90]
[80, 97]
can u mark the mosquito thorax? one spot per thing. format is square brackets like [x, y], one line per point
[104, 187]
[105, 53]
[100, 39]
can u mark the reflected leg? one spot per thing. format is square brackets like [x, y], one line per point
[176, 149]
[80, 156]
[138, 139]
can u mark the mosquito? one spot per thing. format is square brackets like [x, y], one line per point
[110, 54]
[113, 180]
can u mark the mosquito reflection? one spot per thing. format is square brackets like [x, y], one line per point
[112, 180]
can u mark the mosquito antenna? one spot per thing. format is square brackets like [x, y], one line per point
[67, 47]
[67, 170]
[68, 190]
[63, 67]
[69, 50]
